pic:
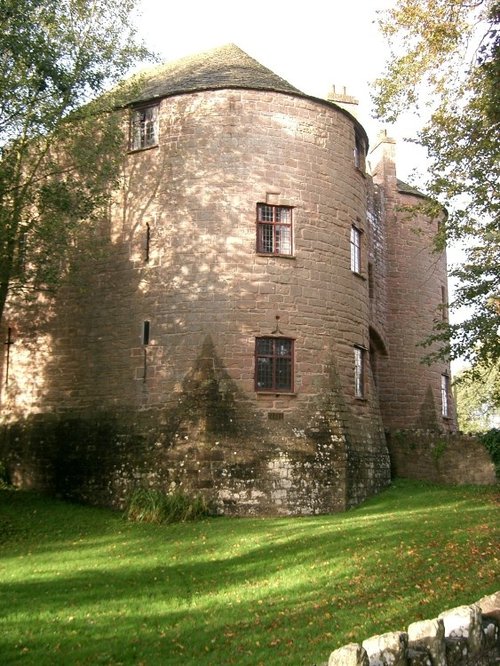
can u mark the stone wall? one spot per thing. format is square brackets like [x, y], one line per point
[280, 469]
[463, 636]
[416, 284]
[207, 294]
[440, 458]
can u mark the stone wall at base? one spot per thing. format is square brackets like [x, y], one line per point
[440, 457]
[239, 467]
[463, 636]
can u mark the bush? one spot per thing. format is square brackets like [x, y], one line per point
[491, 441]
[4, 476]
[153, 506]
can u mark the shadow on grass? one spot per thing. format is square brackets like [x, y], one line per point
[81, 586]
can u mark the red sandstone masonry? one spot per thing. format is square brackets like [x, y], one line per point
[220, 153]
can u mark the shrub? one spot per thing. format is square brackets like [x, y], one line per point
[153, 506]
[4, 476]
[491, 441]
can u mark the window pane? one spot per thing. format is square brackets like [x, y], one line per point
[283, 347]
[283, 240]
[264, 373]
[283, 373]
[265, 346]
[265, 213]
[283, 215]
[266, 240]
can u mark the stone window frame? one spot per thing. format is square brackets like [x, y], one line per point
[144, 130]
[269, 226]
[359, 372]
[274, 356]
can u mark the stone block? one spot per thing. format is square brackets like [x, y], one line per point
[464, 622]
[418, 657]
[352, 654]
[387, 649]
[490, 606]
[429, 634]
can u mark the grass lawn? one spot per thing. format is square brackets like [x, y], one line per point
[80, 585]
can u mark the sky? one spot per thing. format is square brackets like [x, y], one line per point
[313, 44]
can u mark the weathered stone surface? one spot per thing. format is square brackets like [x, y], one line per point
[429, 634]
[387, 649]
[457, 652]
[491, 632]
[464, 622]
[418, 657]
[458, 637]
[490, 606]
[352, 654]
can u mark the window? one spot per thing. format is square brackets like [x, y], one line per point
[146, 328]
[147, 242]
[359, 153]
[274, 229]
[355, 250]
[359, 372]
[144, 127]
[273, 364]
[445, 390]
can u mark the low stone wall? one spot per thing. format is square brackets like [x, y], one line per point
[440, 458]
[463, 636]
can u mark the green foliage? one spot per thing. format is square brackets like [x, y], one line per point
[439, 449]
[445, 66]
[491, 441]
[148, 505]
[82, 586]
[4, 476]
[60, 142]
[477, 392]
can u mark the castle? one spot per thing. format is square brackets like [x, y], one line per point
[252, 330]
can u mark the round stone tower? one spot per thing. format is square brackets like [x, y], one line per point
[233, 333]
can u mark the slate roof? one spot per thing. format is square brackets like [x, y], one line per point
[404, 188]
[223, 67]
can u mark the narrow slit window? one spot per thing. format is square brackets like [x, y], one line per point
[147, 241]
[355, 249]
[445, 392]
[359, 372]
[146, 329]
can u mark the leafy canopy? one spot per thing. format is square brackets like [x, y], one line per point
[445, 67]
[59, 139]
[478, 398]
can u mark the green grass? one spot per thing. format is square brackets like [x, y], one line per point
[82, 586]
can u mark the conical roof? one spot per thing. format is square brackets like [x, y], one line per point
[224, 67]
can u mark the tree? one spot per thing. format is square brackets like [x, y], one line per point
[478, 398]
[445, 66]
[59, 138]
